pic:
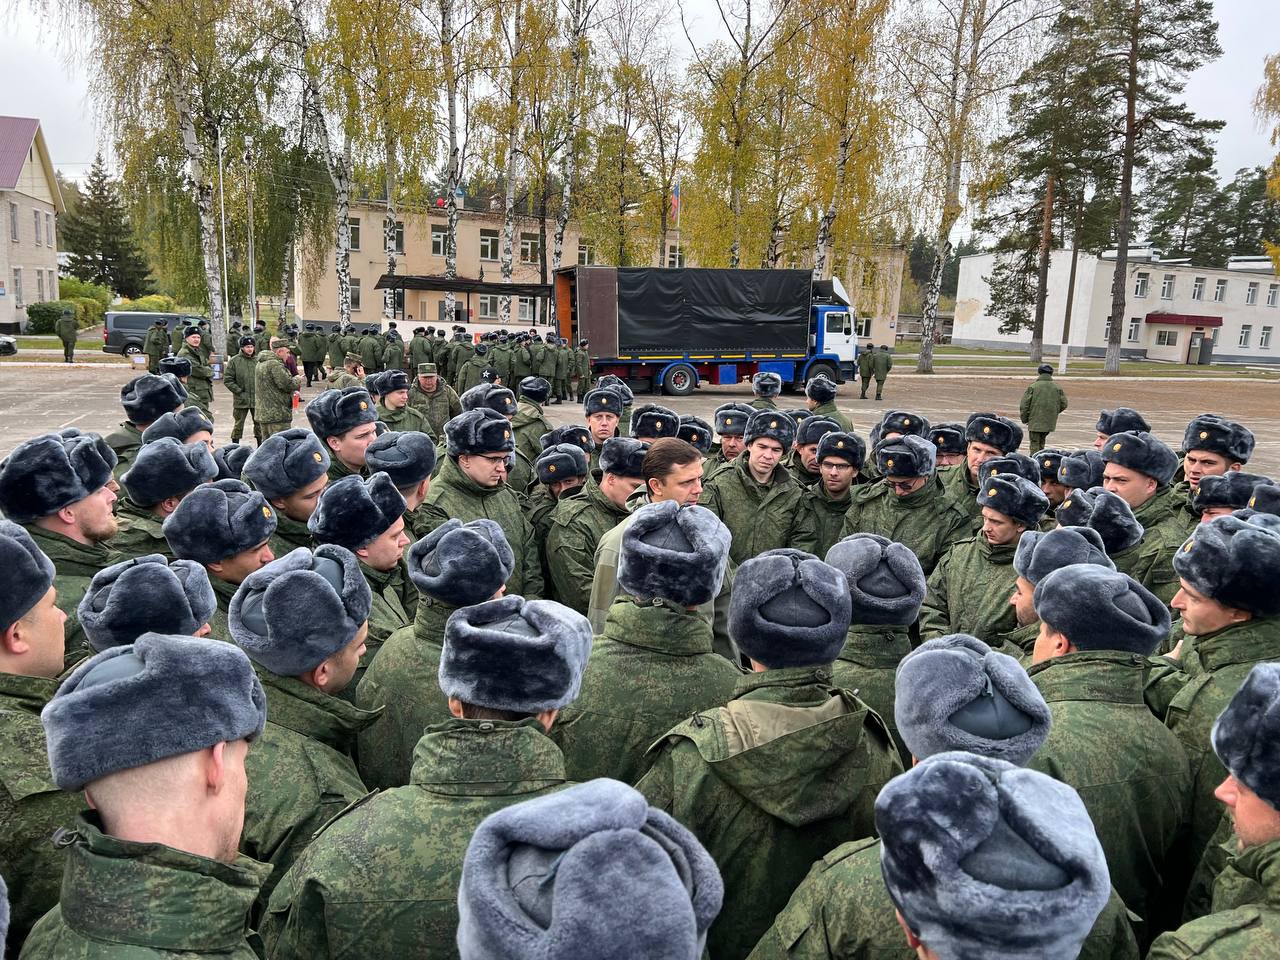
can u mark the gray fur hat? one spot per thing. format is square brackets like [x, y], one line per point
[904, 422]
[167, 468]
[218, 520]
[813, 429]
[147, 398]
[407, 456]
[159, 697]
[771, 425]
[353, 512]
[535, 388]
[487, 395]
[26, 574]
[1081, 469]
[231, 458]
[948, 438]
[985, 859]
[766, 384]
[844, 446]
[588, 873]
[820, 389]
[182, 426]
[1215, 434]
[373, 384]
[1234, 562]
[886, 581]
[1049, 461]
[906, 456]
[1121, 420]
[52, 471]
[334, 412]
[574, 433]
[461, 563]
[1233, 489]
[602, 400]
[1246, 735]
[1105, 512]
[619, 386]
[623, 457]
[673, 552]
[300, 609]
[393, 380]
[993, 430]
[789, 609]
[286, 462]
[1265, 498]
[956, 693]
[1142, 452]
[145, 595]
[731, 419]
[478, 431]
[653, 422]
[1040, 553]
[175, 367]
[1011, 465]
[514, 654]
[1100, 609]
[561, 462]
[1016, 497]
[696, 431]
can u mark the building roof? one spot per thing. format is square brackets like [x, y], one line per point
[17, 136]
[1183, 319]
[462, 285]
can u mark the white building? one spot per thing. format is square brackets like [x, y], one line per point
[29, 205]
[1170, 307]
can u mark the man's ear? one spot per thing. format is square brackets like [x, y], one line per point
[12, 640]
[455, 707]
[912, 940]
[215, 767]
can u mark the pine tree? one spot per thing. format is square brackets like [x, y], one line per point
[100, 241]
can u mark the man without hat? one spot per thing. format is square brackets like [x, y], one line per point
[433, 398]
[765, 387]
[866, 366]
[381, 879]
[273, 390]
[155, 734]
[838, 458]
[802, 458]
[1041, 403]
[986, 435]
[1212, 446]
[1119, 420]
[969, 588]
[820, 399]
[1139, 470]
[200, 379]
[290, 469]
[239, 376]
[731, 421]
[1038, 555]
[756, 496]
[344, 421]
[1097, 628]
[145, 400]
[653, 664]
[164, 472]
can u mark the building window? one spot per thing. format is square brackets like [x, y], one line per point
[1246, 333]
[586, 254]
[1166, 338]
[1214, 335]
[13, 220]
[48, 229]
[17, 288]
[489, 306]
[1106, 333]
[1220, 291]
[1197, 289]
[35, 214]
[1264, 339]
[489, 245]
[1273, 295]
[675, 256]
[353, 224]
[39, 286]
[439, 235]
[1166, 287]
[1251, 295]
[862, 326]
[528, 310]
[399, 236]
[1135, 327]
[1140, 284]
[355, 294]
[530, 244]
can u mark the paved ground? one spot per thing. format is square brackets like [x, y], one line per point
[37, 399]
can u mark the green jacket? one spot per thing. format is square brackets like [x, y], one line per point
[866, 363]
[1245, 924]
[137, 901]
[544, 363]
[273, 389]
[370, 350]
[1041, 404]
[388, 612]
[969, 591]
[140, 532]
[312, 347]
[156, 343]
[963, 492]
[1189, 700]
[419, 352]
[200, 383]
[404, 683]
[650, 669]
[393, 355]
[842, 911]
[562, 362]
[881, 363]
[32, 808]
[126, 442]
[1129, 770]
[239, 376]
[829, 410]
[770, 790]
[334, 351]
[819, 519]
[1164, 532]
[289, 536]
[339, 379]
[454, 494]
[764, 403]
[439, 406]
[577, 524]
[521, 364]
[404, 420]
[469, 374]
[66, 328]
[868, 667]
[760, 517]
[928, 522]
[300, 771]
[529, 424]
[261, 343]
[381, 880]
[75, 563]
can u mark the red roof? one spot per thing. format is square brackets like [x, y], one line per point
[16, 137]
[1183, 319]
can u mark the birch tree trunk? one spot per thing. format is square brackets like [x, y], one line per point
[340, 174]
[822, 248]
[389, 220]
[579, 11]
[512, 131]
[453, 170]
[283, 313]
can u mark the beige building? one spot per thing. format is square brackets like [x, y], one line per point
[29, 205]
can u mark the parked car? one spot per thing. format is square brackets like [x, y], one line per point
[124, 331]
[8, 346]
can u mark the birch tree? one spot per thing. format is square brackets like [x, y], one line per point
[1266, 105]
[579, 20]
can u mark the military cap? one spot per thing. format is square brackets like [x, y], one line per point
[427, 370]
[696, 431]
[1044, 368]
[848, 447]
[587, 873]
[1234, 562]
[165, 468]
[904, 422]
[574, 433]
[231, 458]
[886, 581]
[353, 512]
[182, 426]
[820, 389]
[535, 388]
[499, 399]
[393, 380]
[731, 419]
[623, 457]
[1082, 469]
[246, 341]
[563, 461]
[1011, 465]
[159, 697]
[948, 438]
[771, 425]
[286, 462]
[177, 366]
[335, 412]
[956, 693]
[145, 595]
[798, 415]
[479, 431]
[461, 563]
[986, 859]
[766, 384]
[1246, 734]
[46, 473]
[275, 343]
[1233, 489]
[1122, 420]
[150, 396]
[602, 400]
[1141, 452]
[905, 456]
[218, 520]
[373, 383]
[26, 574]
[1039, 553]
[993, 430]
[482, 348]
[1049, 460]
[789, 609]
[618, 385]
[352, 358]
[814, 429]
[675, 553]
[1265, 498]
[440, 333]
[514, 654]
[1216, 434]
[653, 422]
[408, 457]
[1100, 609]
[1104, 512]
[191, 331]
[1016, 497]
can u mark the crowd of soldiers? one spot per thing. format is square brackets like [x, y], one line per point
[430, 678]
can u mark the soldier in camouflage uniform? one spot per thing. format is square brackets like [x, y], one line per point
[433, 398]
[290, 469]
[580, 370]
[350, 373]
[986, 435]
[155, 345]
[529, 422]
[823, 505]
[948, 438]
[472, 370]
[145, 400]
[561, 473]
[766, 387]
[394, 409]
[239, 378]
[820, 398]
[802, 458]
[335, 354]
[344, 421]
[370, 346]
[560, 385]
[1139, 469]
[261, 338]
[1212, 446]
[1040, 406]
[164, 472]
[1038, 555]
[273, 390]
[1110, 516]
[628, 398]
[408, 458]
[731, 426]
[382, 879]
[393, 352]
[200, 382]
[603, 411]
[311, 346]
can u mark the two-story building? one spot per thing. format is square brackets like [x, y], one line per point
[29, 205]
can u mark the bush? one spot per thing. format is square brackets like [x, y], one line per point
[154, 303]
[41, 317]
[71, 288]
[90, 312]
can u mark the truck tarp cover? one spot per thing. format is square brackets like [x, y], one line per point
[690, 311]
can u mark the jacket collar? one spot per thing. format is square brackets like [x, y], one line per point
[486, 758]
[1253, 640]
[791, 685]
[312, 714]
[875, 645]
[1109, 676]
[658, 625]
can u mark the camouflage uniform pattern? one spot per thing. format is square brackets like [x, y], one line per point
[867, 667]
[439, 407]
[576, 526]
[529, 424]
[1164, 531]
[388, 612]
[926, 521]
[404, 420]
[829, 410]
[76, 564]
[963, 492]
[289, 536]
[969, 591]
[760, 516]
[200, 383]
[126, 442]
[140, 532]
[273, 394]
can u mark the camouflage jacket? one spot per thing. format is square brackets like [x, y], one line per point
[136, 901]
[339, 379]
[382, 879]
[830, 411]
[969, 591]
[928, 522]
[470, 374]
[126, 442]
[32, 808]
[334, 352]
[370, 350]
[219, 625]
[75, 563]
[842, 911]
[577, 524]
[562, 362]
[1164, 531]
[312, 346]
[868, 666]
[650, 669]
[338, 470]
[1129, 770]
[406, 419]
[155, 343]
[544, 363]
[529, 423]
[289, 536]
[439, 407]
[760, 516]
[963, 492]
[239, 377]
[881, 363]
[200, 383]
[140, 532]
[786, 771]
[388, 613]
[273, 389]
[764, 403]
[819, 519]
[404, 682]
[419, 352]
[1041, 403]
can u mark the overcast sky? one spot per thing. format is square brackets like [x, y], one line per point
[36, 81]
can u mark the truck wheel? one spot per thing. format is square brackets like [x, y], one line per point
[680, 381]
[824, 369]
